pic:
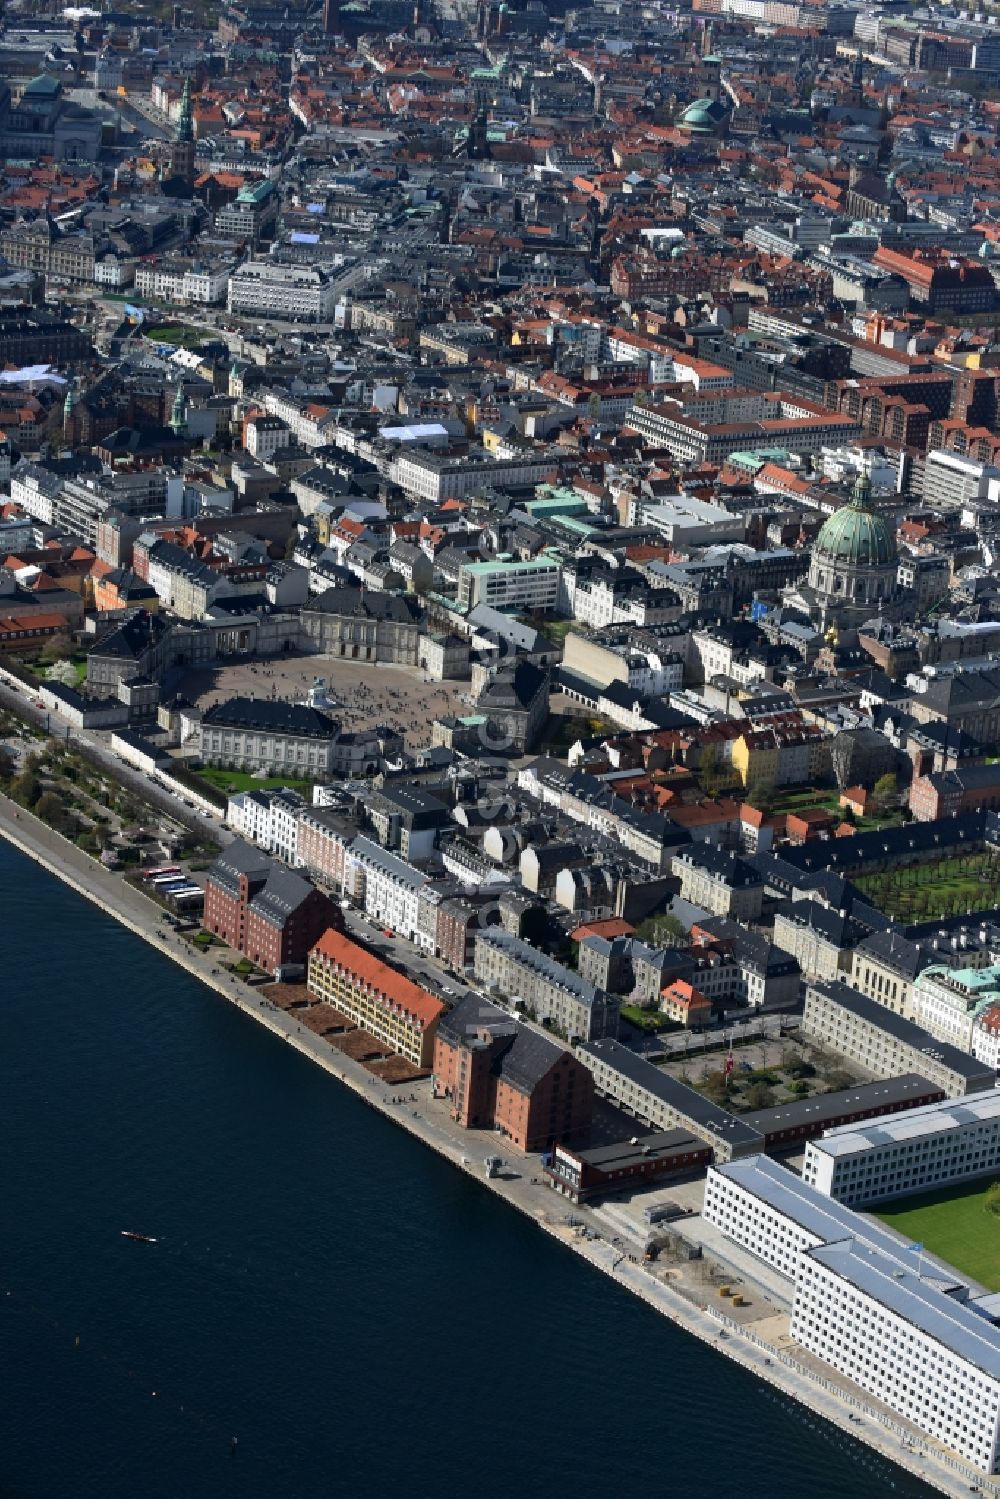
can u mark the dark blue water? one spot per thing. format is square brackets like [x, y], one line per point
[363, 1318]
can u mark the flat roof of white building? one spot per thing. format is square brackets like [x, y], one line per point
[917, 1299]
[932, 1119]
[815, 1213]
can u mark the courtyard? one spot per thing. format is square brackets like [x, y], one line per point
[365, 695]
[940, 887]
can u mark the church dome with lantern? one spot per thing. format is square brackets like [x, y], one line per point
[854, 563]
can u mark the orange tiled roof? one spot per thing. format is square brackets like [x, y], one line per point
[364, 965]
[611, 926]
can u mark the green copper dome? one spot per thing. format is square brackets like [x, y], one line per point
[855, 536]
[704, 116]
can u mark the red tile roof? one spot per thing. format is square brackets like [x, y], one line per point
[611, 926]
[364, 965]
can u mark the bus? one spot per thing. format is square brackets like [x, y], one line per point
[151, 874]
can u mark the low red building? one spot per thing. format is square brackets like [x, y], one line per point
[498, 1073]
[263, 909]
[802, 827]
[644, 1160]
[949, 793]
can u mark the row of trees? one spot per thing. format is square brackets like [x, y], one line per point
[26, 787]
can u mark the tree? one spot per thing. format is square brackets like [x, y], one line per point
[26, 788]
[885, 791]
[7, 766]
[759, 1096]
[761, 795]
[57, 648]
[51, 809]
[715, 1085]
[670, 930]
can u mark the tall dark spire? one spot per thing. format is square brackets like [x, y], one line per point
[182, 152]
[185, 120]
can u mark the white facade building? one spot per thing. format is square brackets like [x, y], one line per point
[309, 424]
[437, 478]
[510, 585]
[950, 1000]
[901, 1336]
[292, 293]
[920, 1150]
[390, 888]
[182, 282]
[902, 1327]
[269, 819]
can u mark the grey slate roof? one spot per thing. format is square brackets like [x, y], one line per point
[270, 717]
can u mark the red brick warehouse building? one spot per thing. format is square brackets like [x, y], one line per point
[264, 910]
[499, 1074]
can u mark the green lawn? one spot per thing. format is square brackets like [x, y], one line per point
[798, 799]
[181, 335]
[828, 800]
[942, 887]
[240, 780]
[646, 1020]
[954, 1224]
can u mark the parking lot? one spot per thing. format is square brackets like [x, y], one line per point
[366, 695]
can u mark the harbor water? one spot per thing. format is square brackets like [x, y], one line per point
[359, 1316]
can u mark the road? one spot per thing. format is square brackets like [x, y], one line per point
[402, 954]
[21, 701]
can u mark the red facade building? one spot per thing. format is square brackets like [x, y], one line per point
[264, 910]
[499, 1074]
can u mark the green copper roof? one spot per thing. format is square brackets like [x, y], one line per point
[855, 536]
[42, 87]
[704, 114]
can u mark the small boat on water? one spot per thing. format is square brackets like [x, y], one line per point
[130, 1233]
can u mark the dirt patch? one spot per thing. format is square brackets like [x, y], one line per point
[397, 1070]
[286, 996]
[360, 1046]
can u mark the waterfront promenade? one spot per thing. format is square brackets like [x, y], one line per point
[771, 1362]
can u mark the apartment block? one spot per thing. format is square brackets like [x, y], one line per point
[383, 1002]
[546, 989]
[387, 886]
[886, 1044]
[719, 881]
[662, 1102]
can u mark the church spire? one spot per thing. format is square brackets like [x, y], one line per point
[185, 120]
[861, 498]
[178, 415]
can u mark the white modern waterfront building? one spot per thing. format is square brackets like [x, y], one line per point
[908, 1339]
[923, 1150]
[901, 1326]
